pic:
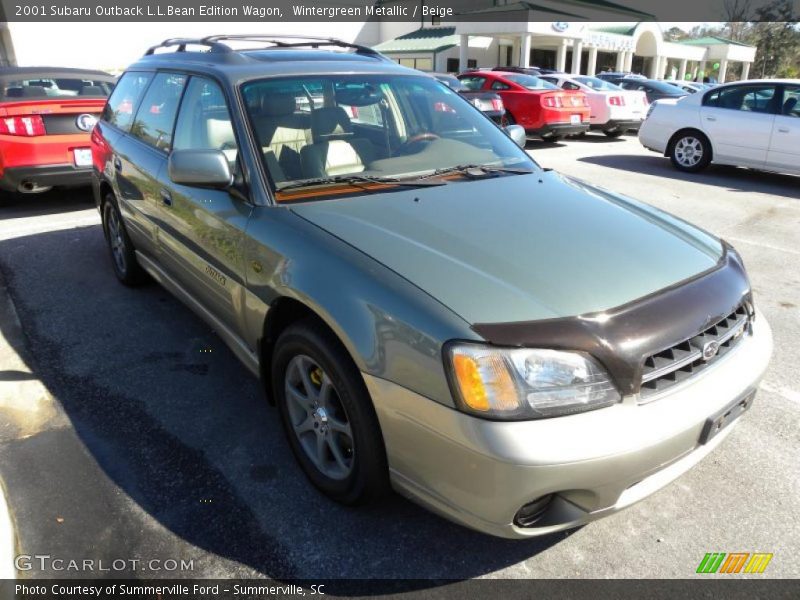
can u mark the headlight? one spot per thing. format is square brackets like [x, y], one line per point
[521, 383]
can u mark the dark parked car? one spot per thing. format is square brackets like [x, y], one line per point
[429, 309]
[654, 88]
[490, 103]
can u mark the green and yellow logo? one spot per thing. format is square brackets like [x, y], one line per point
[735, 562]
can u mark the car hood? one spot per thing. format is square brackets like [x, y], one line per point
[520, 247]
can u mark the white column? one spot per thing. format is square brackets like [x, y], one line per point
[524, 50]
[682, 70]
[723, 70]
[591, 68]
[561, 56]
[620, 65]
[654, 64]
[463, 52]
[577, 52]
[745, 70]
[628, 60]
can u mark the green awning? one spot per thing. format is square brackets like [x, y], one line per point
[427, 39]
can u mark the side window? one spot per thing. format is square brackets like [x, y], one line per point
[499, 85]
[473, 83]
[791, 101]
[156, 115]
[204, 121]
[750, 98]
[122, 104]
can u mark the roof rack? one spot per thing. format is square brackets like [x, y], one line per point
[300, 41]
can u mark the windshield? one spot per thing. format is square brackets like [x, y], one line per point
[598, 84]
[318, 129]
[530, 81]
[56, 87]
[666, 88]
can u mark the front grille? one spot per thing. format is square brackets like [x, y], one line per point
[681, 361]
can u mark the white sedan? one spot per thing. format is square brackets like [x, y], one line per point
[613, 109]
[752, 124]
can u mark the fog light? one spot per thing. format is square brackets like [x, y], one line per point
[532, 511]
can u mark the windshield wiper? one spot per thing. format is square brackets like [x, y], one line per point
[354, 180]
[475, 171]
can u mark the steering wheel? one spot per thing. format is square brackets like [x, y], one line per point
[425, 136]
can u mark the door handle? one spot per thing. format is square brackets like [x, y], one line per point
[711, 118]
[166, 197]
[117, 163]
[783, 130]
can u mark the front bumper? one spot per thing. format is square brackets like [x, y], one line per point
[480, 473]
[14, 178]
[558, 129]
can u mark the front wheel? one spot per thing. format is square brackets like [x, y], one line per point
[614, 133]
[690, 152]
[327, 415]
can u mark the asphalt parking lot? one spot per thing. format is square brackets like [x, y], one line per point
[139, 436]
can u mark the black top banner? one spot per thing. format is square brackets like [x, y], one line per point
[441, 11]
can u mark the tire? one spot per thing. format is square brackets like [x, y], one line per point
[332, 430]
[552, 139]
[614, 134]
[121, 250]
[690, 151]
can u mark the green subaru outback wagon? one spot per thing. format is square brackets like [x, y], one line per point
[429, 309]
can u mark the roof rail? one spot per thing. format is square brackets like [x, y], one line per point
[181, 43]
[278, 40]
[299, 41]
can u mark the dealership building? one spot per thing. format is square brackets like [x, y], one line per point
[502, 39]
[571, 47]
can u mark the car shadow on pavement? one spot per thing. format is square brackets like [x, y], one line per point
[734, 179]
[166, 417]
[56, 201]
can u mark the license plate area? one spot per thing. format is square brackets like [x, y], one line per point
[575, 119]
[720, 420]
[82, 157]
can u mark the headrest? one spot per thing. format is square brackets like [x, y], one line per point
[27, 91]
[91, 90]
[278, 105]
[329, 121]
[789, 105]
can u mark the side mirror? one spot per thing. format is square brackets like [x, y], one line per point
[517, 133]
[201, 168]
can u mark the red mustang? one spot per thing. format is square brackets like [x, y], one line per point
[46, 116]
[543, 109]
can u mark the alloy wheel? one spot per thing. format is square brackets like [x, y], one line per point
[318, 418]
[116, 240]
[688, 151]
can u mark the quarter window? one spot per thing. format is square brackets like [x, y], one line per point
[791, 101]
[156, 115]
[124, 100]
[204, 121]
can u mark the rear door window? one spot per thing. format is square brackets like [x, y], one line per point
[156, 115]
[122, 105]
[750, 98]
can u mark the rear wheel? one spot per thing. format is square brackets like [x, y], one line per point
[123, 257]
[614, 133]
[327, 415]
[690, 151]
